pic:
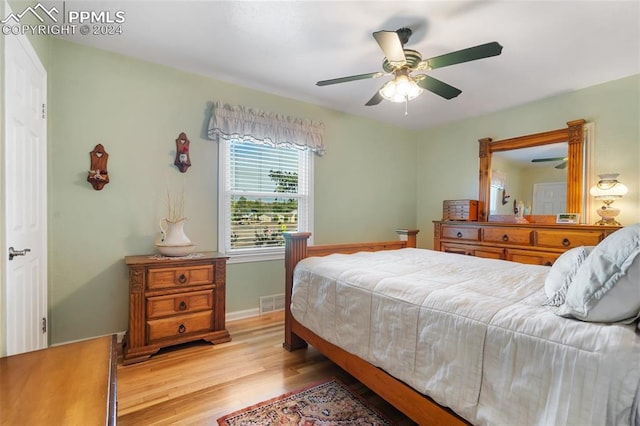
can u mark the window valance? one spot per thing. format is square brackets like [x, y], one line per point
[238, 122]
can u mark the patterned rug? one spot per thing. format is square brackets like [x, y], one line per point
[330, 403]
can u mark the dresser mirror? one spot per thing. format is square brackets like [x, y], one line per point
[553, 161]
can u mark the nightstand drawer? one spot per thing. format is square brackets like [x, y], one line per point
[181, 325]
[507, 236]
[162, 306]
[460, 233]
[179, 277]
[568, 239]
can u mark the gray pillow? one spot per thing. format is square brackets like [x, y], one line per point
[562, 272]
[606, 287]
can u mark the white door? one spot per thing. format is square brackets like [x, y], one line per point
[25, 218]
[549, 198]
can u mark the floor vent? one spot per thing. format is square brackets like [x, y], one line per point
[274, 302]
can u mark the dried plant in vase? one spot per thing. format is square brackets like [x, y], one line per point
[175, 207]
[174, 241]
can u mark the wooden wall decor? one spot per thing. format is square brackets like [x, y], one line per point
[98, 175]
[183, 158]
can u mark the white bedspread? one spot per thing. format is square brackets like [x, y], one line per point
[471, 333]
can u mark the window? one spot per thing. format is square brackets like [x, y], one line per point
[265, 163]
[264, 191]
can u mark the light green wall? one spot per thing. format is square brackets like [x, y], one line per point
[448, 155]
[364, 186]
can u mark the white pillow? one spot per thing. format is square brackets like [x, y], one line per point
[562, 272]
[606, 288]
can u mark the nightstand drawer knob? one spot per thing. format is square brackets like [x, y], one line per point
[182, 329]
[459, 235]
[505, 238]
[182, 306]
[182, 278]
[566, 242]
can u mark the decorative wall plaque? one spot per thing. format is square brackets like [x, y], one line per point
[183, 158]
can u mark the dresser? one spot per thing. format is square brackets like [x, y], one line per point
[173, 301]
[539, 244]
[71, 384]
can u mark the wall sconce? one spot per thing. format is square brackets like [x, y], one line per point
[608, 189]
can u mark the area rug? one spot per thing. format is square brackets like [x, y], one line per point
[329, 403]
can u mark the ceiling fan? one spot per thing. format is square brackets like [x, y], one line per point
[401, 62]
[561, 165]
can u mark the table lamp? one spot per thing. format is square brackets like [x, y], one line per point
[608, 189]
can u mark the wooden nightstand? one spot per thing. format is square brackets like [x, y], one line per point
[174, 300]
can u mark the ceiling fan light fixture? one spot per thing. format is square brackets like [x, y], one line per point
[402, 88]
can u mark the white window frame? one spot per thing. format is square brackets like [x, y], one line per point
[305, 215]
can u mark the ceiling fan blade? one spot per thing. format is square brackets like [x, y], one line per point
[375, 100]
[389, 42]
[438, 87]
[561, 166]
[540, 160]
[350, 78]
[465, 55]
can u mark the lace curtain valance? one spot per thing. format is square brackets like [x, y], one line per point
[238, 122]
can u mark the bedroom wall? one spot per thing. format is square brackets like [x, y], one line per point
[136, 110]
[448, 155]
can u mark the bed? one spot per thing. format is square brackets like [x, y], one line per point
[451, 339]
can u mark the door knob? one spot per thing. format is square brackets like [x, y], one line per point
[13, 253]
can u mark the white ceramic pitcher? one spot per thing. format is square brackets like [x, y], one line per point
[173, 234]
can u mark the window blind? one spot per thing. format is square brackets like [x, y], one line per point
[266, 192]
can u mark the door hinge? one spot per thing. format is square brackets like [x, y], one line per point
[44, 325]
[44, 109]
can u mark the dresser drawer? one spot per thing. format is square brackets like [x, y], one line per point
[567, 239]
[162, 306]
[532, 257]
[178, 326]
[179, 277]
[507, 236]
[460, 233]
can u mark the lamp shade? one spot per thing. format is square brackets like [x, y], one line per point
[608, 187]
[401, 89]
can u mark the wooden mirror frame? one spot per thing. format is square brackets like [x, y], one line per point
[573, 134]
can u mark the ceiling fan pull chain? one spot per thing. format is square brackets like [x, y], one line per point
[406, 105]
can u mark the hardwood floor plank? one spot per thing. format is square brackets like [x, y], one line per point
[197, 382]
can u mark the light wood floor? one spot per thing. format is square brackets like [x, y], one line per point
[197, 383]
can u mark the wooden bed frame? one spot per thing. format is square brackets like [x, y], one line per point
[420, 408]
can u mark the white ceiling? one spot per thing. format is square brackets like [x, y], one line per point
[283, 48]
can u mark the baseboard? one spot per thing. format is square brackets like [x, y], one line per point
[247, 313]
[119, 337]
[230, 316]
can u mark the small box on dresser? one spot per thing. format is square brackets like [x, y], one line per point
[173, 301]
[460, 210]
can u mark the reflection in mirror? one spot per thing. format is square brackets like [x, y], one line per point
[534, 176]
